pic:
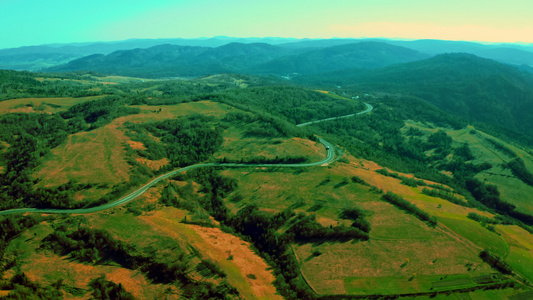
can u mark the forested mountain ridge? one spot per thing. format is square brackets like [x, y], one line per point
[463, 84]
[365, 55]
[255, 58]
[37, 58]
[175, 61]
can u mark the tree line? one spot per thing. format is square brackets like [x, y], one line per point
[410, 208]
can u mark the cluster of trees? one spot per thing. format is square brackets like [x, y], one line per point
[496, 262]
[440, 142]
[21, 287]
[272, 235]
[89, 245]
[100, 112]
[108, 290]
[464, 152]
[408, 207]
[30, 137]
[15, 84]
[404, 180]
[462, 169]
[213, 185]
[520, 170]
[359, 180]
[488, 195]
[189, 198]
[437, 188]
[446, 196]
[210, 269]
[296, 105]
[260, 124]
[357, 216]
[11, 227]
[498, 219]
[501, 147]
[184, 141]
[377, 136]
[305, 228]
[489, 222]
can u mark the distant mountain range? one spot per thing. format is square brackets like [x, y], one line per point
[255, 58]
[298, 51]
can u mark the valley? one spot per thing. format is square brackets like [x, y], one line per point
[236, 186]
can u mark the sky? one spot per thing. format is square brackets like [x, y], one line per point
[36, 22]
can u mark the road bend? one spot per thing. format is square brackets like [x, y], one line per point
[329, 158]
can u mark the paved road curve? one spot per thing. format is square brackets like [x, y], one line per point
[368, 109]
[329, 158]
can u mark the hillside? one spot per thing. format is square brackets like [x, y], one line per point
[175, 61]
[402, 209]
[474, 88]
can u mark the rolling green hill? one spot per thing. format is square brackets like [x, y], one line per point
[417, 202]
[462, 84]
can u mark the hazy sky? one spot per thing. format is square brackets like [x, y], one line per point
[34, 22]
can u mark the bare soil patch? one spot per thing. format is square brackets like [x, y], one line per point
[224, 245]
[153, 164]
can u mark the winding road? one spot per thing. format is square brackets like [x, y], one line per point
[329, 158]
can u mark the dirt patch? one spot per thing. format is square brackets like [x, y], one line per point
[224, 244]
[45, 267]
[132, 281]
[153, 164]
[326, 222]
[136, 145]
[232, 254]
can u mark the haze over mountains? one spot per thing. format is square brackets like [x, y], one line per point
[284, 55]
[255, 58]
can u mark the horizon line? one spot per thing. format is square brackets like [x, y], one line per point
[59, 44]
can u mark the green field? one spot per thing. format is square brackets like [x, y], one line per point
[521, 260]
[480, 236]
[406, 285]
[96, 156]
